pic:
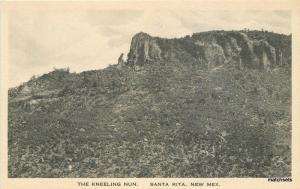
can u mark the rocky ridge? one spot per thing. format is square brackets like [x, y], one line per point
[250, 49]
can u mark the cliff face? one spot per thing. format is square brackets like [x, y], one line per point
[252, 49]
[143, 49]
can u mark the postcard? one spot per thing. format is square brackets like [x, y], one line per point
[150, 94]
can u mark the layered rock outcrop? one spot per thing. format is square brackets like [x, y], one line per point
[252, 49]
[143, 49]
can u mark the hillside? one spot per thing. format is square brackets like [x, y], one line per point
[214, 104]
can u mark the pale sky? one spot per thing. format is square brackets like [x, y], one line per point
[41, 40]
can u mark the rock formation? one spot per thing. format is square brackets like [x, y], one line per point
[250, 49]
[120, 61]
[143, 49]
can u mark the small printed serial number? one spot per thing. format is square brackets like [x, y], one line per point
[280, 180]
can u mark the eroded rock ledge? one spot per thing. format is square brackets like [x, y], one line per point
[252, 49]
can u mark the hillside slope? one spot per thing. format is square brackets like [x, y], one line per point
[216, 104]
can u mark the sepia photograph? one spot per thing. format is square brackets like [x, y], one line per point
[149, 93]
